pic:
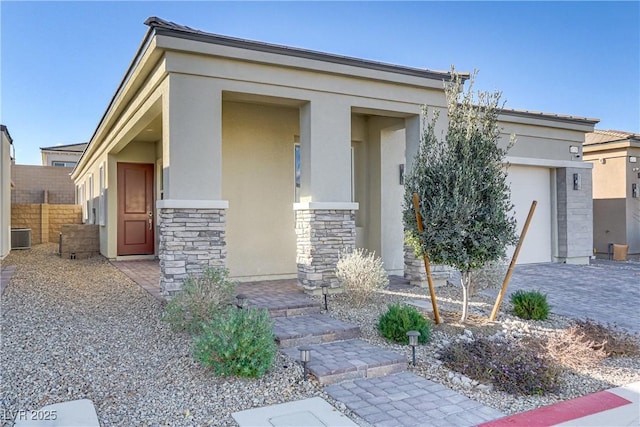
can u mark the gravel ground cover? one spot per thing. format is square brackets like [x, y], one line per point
[612, 372]
[74, 329]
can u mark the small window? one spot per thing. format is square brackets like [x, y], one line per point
[64, 164]
[91, 211]
[101, 201]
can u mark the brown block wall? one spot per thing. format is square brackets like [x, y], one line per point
[45, 221]
[60, 215]
[42, 184]
[80, 241]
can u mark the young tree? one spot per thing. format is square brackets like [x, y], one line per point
[461, 182]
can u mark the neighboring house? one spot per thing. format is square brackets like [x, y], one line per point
[271, 160]
[616, 188]
[62, 155]
[6, 161]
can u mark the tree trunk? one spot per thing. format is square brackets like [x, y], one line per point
[465, 281]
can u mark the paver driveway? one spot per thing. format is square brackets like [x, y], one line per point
[606, 291]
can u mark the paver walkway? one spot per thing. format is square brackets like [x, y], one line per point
[406, 399]
[605, 291]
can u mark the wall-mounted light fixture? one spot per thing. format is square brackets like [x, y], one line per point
[633, 159]
[577, 181]
[602, 160]
[401, 169]
[574, 149]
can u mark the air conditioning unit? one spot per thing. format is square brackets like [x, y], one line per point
[20, 238]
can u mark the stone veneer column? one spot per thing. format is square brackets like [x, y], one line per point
[190, 240]
[415, 272]
[574, 216]
[322, 235]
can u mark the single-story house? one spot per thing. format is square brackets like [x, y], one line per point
[271, 160]
[62, 155]
[615, 156]
[6, 161]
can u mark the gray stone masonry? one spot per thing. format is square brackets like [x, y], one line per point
[575, 216]
[406, 399]
[190, 240]
[416, 274]
[322, 235]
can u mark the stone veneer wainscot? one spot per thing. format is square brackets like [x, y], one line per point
[322, 234]
[190, 241]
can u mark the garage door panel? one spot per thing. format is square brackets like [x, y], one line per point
[530, 183]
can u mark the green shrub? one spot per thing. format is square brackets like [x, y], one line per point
[362, 275]
[510, 367]
[530, 305]
[237, 342]
[399, 319]
[199, 299]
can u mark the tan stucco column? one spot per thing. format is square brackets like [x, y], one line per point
[191, 216]
[325, 216]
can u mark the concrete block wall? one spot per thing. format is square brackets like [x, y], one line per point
[575, 216]
[80, 241]
[44, 220]
[60, 215]
[29, 216]
[42, 184]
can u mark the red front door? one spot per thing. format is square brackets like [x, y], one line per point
[135, 209]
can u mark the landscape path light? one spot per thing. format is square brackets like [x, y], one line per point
[325, 293]
[413, 342]
[241, 301]
[305, 357]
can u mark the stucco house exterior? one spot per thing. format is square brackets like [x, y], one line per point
[615, 156]
[6, 161]
[62, 155]
[271, 160]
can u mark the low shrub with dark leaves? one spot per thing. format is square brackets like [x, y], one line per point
[507, 365]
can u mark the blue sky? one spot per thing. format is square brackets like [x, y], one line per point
[62, 61]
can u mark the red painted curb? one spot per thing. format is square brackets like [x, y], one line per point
[563, 411]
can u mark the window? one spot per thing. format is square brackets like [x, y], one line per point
[90, 208]
[101, 201]
[296, 153]
[64, 164]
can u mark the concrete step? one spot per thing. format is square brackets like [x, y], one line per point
[312, 329]
[347, 360]
[283, 298]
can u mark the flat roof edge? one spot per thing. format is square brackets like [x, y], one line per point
[162, 27]
[551, 116]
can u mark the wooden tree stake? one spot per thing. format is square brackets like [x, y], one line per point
[507, 277]
[427, 265]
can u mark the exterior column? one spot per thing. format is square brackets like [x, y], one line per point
[416, 274]
[191, 216]
[190, 240]
[325, 216]
[574, 215]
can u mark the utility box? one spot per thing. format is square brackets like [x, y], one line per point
[620, 252]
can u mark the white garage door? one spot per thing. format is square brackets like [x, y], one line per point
[530, 183]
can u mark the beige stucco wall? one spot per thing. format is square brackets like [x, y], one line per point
[49, 157]
[616, 212]
[258, 181]
[5, 195]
